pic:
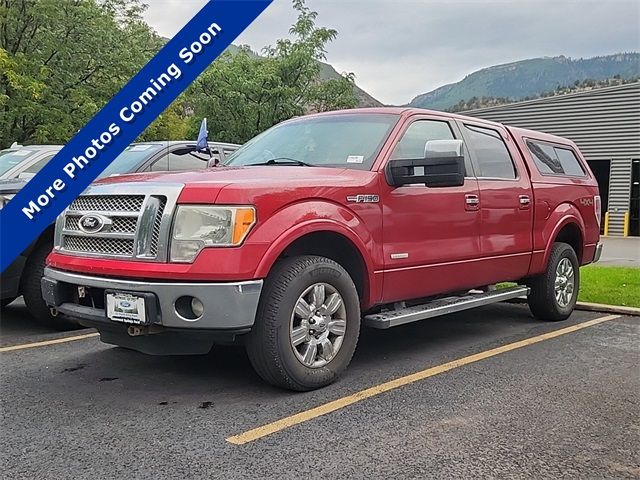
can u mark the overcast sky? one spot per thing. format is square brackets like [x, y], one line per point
[401, 48]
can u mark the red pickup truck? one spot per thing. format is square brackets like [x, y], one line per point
[324, 223]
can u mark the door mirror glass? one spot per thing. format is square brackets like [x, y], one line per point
[442, 166]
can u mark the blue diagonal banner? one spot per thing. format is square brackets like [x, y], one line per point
[121, 121]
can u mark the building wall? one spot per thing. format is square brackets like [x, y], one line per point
[604, 123]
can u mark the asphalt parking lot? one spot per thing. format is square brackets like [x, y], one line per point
[489, 393]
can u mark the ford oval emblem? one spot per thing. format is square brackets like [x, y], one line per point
[125, 304]
[91, 223]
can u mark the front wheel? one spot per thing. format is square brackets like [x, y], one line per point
[555, 292]
[307, 325]
[31, 290]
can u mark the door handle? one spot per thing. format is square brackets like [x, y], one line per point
[525, 201]
[472, 201]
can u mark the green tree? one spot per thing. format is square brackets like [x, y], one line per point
[243, 94]
[62, 60]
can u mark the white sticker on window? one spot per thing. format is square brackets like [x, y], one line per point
[355, 159]
[21, 153]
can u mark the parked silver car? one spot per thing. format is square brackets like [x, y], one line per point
[24, 162]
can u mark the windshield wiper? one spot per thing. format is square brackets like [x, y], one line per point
[281, 161]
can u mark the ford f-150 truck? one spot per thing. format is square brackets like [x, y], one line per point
[377, 217]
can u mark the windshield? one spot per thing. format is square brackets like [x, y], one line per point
[129, 160]
[344, 141]
[11, 158]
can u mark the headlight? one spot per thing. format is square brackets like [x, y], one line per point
[198, 226]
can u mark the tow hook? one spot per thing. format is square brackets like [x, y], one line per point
[53, 311]
[137, 330]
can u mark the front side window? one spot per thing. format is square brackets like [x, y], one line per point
[413, 142]
[491, 153]
[551, 160]
[346, 140]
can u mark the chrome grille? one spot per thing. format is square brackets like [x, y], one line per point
[124, 224]
[97, 245]
[155, 234]
[72, 223]
[108, 203]
[131, 225]
[119, 225]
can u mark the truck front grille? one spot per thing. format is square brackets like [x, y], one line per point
[108, 203]
[130, 226]
[104, 246]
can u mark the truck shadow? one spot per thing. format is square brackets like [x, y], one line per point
[379, 353]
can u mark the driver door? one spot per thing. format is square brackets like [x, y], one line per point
[431, 235]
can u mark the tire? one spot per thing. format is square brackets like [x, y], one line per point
[7, 301]
[270, 346]
[32, 291]
[544, 302]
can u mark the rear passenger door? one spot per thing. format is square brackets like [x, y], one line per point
[506, 200]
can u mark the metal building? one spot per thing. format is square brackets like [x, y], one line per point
[605, 124]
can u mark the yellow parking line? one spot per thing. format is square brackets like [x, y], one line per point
[24, 346]
[268, 429]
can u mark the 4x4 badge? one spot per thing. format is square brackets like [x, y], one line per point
[363, 198]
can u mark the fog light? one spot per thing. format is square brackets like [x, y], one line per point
[189, 308]
[197, 307]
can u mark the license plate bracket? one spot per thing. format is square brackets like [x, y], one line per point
[128, 307]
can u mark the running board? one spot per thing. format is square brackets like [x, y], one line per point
[441, 306]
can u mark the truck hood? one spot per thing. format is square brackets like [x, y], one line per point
[253, 185]
[272, 175]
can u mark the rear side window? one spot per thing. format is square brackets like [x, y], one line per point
[187, 158]
[551, 160]
[36, 167]
[492, 155]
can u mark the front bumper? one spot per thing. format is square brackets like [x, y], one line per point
[227, 306]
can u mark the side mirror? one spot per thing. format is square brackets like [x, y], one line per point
[442, 166]
[215, 158]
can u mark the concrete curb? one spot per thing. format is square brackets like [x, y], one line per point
[600, 307]
[594, 307]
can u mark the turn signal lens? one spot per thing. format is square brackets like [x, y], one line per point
[244, 220]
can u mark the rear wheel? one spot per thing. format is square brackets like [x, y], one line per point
[555, 292]
[307, 325]
[32, 291]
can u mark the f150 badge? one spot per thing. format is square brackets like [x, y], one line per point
[363, 198]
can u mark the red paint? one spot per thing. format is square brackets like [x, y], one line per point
[450, 246]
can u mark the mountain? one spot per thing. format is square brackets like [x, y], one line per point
[528, 78]
[327, 72]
